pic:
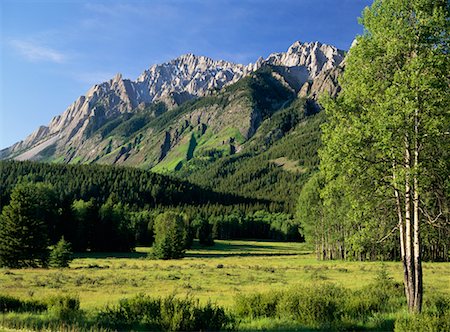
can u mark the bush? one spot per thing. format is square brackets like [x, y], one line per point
[138, 311]
[61, 254]
[65, 308]
[167, 314]
[383, 295]
[12, 304]
[188, 315]
[424, 322]
[320, 306]
[257, 305]
[434, 317]
[327, 306]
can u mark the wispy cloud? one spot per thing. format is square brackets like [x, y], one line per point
[35, 52]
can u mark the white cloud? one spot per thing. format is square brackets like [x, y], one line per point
[34, 52]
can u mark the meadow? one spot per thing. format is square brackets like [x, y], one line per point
[218, 274]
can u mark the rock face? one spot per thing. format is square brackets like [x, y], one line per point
[314, 57]
[188, 74]
[307, 68]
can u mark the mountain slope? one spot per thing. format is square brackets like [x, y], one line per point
[251, 130]
[172, 83]
[273, 164]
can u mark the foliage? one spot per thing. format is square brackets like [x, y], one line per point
[117, 230]
[61, 254]
[325, 305]
[383, 295]
[12, 304]
[435, 317]
[259, 224]
[25, 225]
[166, 314]
[143, 222]
[204, 231]
[82, 218]
[170, 236]
[257, 305]
[310, 215]
[111, 209]
[384, 157]
[132, 186]
[65, 307]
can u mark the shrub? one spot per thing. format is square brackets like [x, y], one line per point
[61, 254]
[167, 314]
[434, 317]
[320, 306]
[383, 295]
[257, 305]
[140, 310]
[12, 304]
[425, 322]
[64, 308]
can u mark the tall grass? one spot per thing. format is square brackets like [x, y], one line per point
[327, 306]
[140, 313]
[435, 317]
[324, 307]
[165, 314]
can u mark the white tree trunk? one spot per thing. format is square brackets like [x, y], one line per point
[416, 241]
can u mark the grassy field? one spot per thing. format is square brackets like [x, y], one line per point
[217, 273]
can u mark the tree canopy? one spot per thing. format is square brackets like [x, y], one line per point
[25, 225]
[385, 158]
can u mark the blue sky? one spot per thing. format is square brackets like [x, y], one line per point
[53, 51]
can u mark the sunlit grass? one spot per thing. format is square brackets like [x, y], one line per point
[217, 273]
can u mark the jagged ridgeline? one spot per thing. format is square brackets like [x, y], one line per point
[249, 130]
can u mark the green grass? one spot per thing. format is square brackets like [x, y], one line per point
[194, 143]
[176, 156]
[218, 273]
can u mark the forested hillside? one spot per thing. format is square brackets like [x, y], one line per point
[273, 165]
[132, 186]
[106, 208]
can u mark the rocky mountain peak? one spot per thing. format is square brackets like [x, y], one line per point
[175, 82]
[315, 56]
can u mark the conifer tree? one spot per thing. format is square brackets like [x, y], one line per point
[61, 254]
[170, 236]
[24, 226]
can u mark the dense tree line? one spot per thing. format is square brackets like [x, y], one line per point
[337, 236]
[293, 134]
[135, 187]
[35, 220]
[96, 208]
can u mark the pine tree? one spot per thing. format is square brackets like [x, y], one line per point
[24, 226]
[61, 254]
[170, 236]
[204, 232]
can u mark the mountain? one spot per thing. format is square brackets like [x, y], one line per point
[192, 114]
[173, 83]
